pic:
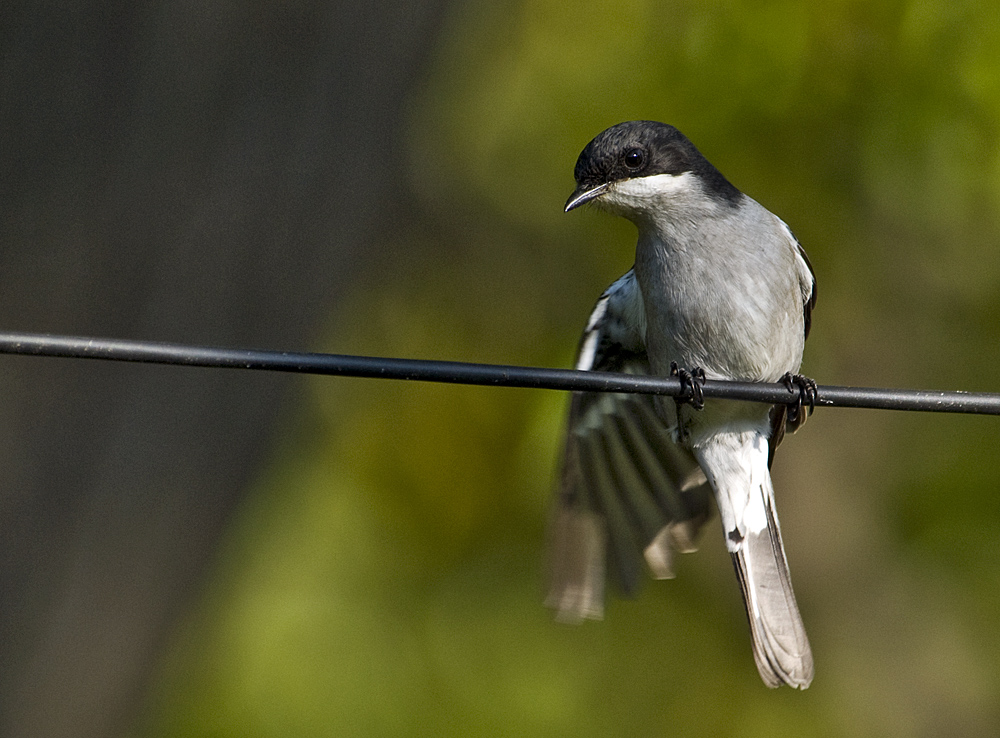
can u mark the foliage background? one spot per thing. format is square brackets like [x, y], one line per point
[385, 578]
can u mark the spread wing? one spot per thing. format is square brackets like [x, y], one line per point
[627, 491]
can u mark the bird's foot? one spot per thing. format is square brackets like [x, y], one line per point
[691, 382]
[807, 391]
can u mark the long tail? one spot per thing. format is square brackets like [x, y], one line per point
[736, 466]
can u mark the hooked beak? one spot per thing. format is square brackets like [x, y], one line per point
[584, 194]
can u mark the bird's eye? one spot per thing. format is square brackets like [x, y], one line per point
[634, 159]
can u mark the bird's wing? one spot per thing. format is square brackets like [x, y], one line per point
[781, 421]
[807, 282]
[626, 488]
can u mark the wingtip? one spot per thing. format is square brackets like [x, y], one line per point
[576, 567]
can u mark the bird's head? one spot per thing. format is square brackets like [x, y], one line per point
[640, 167]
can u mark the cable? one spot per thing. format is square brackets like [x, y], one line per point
[494, 375]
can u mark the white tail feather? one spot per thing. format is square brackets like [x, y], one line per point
[736, 466]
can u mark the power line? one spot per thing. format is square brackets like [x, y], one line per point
[455, 372]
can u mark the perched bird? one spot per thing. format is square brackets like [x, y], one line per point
[720, 289]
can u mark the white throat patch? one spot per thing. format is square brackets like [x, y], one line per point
[641, 192]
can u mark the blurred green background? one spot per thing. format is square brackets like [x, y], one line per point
[385, 577]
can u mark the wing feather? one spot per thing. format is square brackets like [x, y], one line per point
[626, 489]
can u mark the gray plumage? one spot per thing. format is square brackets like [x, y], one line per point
[719, 283]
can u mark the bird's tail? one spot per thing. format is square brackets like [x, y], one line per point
[736, 465]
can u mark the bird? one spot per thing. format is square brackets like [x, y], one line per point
[720, 289]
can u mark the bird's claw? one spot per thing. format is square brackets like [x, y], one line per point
[807, 393]
[691, 382]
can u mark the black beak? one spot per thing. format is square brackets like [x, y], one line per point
[584, 194]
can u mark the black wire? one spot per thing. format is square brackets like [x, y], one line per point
[455, 372]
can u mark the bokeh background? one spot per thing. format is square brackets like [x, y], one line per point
[190, 552]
